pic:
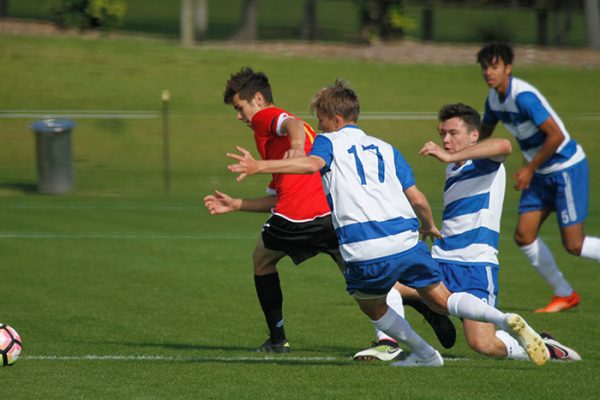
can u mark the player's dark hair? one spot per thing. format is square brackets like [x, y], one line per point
[337, 99]
[493, 52]
[247, 83]
[467, 114]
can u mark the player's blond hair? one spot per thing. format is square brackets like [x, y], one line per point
[337, 99]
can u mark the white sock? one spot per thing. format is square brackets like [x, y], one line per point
[394, 301]
[465, 305]
[513, 348]
[398, 328]
[591, 248]
[542, 260]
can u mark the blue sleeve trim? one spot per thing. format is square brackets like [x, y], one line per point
[323, 148]
[403, 170]
[529, 104]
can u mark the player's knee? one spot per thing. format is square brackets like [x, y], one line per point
[523, 239]
[573, 248]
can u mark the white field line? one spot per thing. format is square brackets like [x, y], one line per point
[116, 357]
[150, 236]
[119, 236]
[149, 114]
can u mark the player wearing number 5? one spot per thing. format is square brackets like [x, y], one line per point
[376, 209]
[554, 178]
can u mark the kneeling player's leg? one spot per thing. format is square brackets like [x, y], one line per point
[484, 339]
[268, 289]
[388, 321]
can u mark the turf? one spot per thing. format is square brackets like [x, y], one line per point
[121, 291]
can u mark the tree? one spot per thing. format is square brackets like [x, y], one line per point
[3, 8]
[382, 19]
[248, 27]
[592, 8]
[308, 29]
[193, 21]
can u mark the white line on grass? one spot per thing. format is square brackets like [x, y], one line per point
[147, 236]
[118, 236]
[93, 357]
[149, 114]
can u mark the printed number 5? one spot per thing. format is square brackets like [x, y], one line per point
[359, 165]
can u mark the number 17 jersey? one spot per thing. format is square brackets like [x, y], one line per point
[364, 180]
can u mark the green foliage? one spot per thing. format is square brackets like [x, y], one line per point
[88, 14]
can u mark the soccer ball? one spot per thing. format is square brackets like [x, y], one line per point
[10, 344]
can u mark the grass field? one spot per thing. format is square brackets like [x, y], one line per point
[120, 291]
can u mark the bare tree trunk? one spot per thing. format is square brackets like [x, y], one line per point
[187, 22]
[248, 27]
[194, 21]
[308, 29]
[592, 23]
[200, 19]
[427, 19]
[3, 8]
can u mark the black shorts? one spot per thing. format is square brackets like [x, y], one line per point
[300, 240]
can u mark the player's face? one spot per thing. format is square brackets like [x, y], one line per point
[455, 135]
[245, 109]
[496, 74]
[326, 123]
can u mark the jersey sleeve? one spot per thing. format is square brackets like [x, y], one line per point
[278, 122]
[323, 148]
[529, 104]
[403, 170]
[489, 116]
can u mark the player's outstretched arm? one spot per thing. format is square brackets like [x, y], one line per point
[493, 149]
[248, 166]
[221, 203]
[419, 203]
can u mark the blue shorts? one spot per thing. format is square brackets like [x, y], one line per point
[480, 281]
[415, 268]
[565, 192]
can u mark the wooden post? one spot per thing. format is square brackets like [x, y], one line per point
[166, 96]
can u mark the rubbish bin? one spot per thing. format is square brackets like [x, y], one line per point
[53, 155]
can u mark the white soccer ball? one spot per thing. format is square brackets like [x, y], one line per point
[10, 345]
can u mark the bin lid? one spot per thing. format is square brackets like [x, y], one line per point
[50, 125]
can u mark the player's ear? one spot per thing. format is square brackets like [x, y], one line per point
[475, 135]
[259, 99]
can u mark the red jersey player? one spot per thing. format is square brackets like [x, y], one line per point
[300, 223]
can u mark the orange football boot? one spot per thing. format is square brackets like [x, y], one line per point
[558, 303]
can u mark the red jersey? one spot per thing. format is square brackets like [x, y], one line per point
[299, 197]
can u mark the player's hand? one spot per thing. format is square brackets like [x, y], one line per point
[246, 166]
[432, 149]
[432, 232]
[523, 178]
[220, 203]
[294, 152]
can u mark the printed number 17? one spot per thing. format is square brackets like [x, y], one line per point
[359, 165]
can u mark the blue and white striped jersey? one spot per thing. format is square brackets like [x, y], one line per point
[364, 180]
[522, 111]
[473, 197]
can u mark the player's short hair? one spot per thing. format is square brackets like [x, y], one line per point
[247, 83]
[493, 52]
[337, 99]
[466, 113]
